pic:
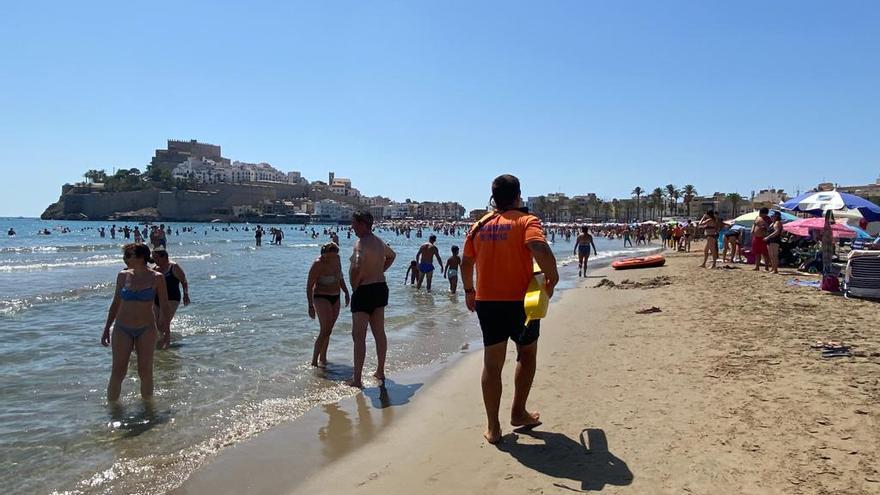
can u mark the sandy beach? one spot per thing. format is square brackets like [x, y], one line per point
[719, 392]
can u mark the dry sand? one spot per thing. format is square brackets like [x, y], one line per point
[717, 393]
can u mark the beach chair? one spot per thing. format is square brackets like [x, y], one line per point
[862, 275]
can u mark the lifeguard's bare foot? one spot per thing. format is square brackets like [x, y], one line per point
[492, 437]
[352, 383]
[380, 377]
[525, 419]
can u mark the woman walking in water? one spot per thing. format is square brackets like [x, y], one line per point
[710, 224]
[322, 292]
[174, 279]
[135, 323]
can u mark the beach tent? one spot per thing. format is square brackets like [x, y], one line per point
[748, 219]
[816, 203]
[803, 227]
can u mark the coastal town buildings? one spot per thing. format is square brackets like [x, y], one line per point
[768, 198]
[329, 210]
[209, 171]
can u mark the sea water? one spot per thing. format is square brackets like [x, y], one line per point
[239, 364]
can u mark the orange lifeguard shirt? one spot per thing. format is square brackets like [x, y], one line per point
[503, 261]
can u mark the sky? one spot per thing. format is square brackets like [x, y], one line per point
[432, 100]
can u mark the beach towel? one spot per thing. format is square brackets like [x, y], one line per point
[804, 283]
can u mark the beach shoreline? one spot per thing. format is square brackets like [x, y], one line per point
[681, 400]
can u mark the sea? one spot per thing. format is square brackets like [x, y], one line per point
[239, 364]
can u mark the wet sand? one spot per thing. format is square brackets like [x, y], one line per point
[719, 392]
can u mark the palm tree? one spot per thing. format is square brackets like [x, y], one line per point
[615, 205]
[657, 196]
[637, 192]
[690, 192]
[675, 196]
[670, 195]
[606, 208]
[735, 199]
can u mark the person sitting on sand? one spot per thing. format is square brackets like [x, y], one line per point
[582, 249]
[370, 259]
[451, 270]
[501, 246]
[134, 324]
[324, 282]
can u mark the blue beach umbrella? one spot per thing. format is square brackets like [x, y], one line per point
[860, 234]
[816, 203]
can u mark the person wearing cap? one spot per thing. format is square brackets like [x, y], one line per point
[175, 278]
[502, 247]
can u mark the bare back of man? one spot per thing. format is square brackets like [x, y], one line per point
[370, 259]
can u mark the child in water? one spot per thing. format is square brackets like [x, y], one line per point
[411, 273]
[450, 271]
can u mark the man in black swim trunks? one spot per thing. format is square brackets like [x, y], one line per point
[370, 259]
[501, 247]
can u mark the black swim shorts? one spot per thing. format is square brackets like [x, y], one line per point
[502, 320]
[367, 298]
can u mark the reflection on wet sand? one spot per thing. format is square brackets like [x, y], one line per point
[342, 431]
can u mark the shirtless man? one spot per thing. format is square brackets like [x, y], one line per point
[451, 270]
[425, 257]
[582, 249]
[370, 259]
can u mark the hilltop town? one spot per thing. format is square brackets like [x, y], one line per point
[193, 181]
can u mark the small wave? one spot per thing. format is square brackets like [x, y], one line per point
[10, 307]
[100, 261]
[79, 248]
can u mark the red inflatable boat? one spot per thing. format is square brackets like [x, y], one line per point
[646, 262]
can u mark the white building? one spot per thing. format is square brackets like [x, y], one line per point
[211, 172]
[328, 210]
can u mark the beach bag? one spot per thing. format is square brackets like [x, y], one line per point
[830, 283]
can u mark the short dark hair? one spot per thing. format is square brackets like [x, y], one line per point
[585, 229]
[764, 211]
[330, 247]
[137, 251]
[432, 238]
[454, 249]
[505, 191]
[364, 217]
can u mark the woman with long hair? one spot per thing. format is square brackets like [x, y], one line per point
[322, 292]
[134, 324]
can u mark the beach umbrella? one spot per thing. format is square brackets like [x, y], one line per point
[816, 203]
[803, 227]
[860, 234]
[747, 219]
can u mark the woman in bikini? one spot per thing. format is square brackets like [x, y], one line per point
[135, 325]
[772, 239]
[322, 292]
[710, 224]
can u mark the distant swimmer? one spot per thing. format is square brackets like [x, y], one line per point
[370, 259]
[11, 232]
[427, 252]
[502, 247]
[258, 235]
[451, 270]
[334, 237]
[322, 293]
[626, 237]
[133, 321]
[412, 273]
[277, 235]
[175, 278]
[582, 249]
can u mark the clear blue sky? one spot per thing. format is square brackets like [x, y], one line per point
[431, 100]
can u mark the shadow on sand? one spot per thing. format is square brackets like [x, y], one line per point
[588, 461]
[392, 394]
